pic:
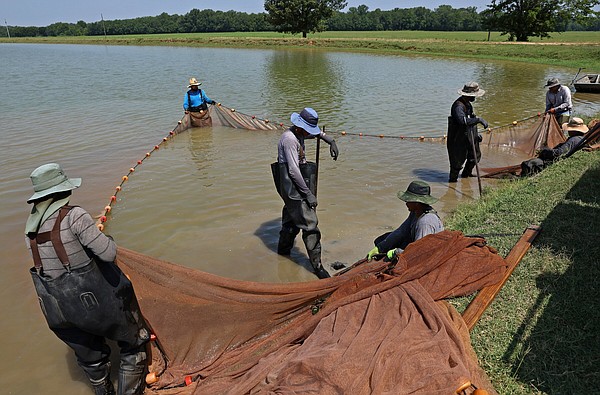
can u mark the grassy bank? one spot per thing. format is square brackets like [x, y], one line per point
[541, 333]
[569, 49]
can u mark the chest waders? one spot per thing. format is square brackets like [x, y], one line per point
[97, 300]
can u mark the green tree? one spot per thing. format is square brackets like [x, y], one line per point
[301, 16]
[521, 19]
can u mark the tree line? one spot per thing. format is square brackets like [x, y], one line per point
[442, 18]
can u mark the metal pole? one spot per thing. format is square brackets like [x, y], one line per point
[472, 133]
[317, 161]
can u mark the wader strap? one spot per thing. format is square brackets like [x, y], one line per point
[54, 237]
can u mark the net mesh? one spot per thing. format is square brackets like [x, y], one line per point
[376, 329]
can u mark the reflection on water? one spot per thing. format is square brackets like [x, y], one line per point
[206, 199]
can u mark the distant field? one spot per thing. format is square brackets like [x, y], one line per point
[569, 49]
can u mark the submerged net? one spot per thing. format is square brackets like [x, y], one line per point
[225, 116]
[376, 329]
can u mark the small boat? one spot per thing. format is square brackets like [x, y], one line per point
[588, 83]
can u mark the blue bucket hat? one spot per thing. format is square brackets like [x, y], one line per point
[50, 178]
[307, 120]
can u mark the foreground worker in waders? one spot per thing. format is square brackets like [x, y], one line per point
[196, 102]
[83, 294]
[422, 221]
[463, 139]
[294, 177]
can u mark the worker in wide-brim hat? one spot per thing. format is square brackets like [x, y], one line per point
[576, 129]
[196, 102]
[558, 100]
[83, 294]
[295, 180]
[463, 140]
[422, 220]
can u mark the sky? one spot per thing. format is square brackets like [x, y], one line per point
[46, 12]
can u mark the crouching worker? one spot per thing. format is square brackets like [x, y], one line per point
[576, 129]
[422, 221]
[84, 296]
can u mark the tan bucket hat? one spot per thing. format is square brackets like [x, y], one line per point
[575, 124]
[50, 178]
[194, 82]
[552, 82]
[471, 89]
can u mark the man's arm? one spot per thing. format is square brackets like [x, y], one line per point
[291, 157]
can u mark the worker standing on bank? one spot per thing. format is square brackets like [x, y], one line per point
[83, 294]
[558, 100]
[463, 139]
[293, 178]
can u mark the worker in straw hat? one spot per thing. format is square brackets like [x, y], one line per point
[295, 180]
[576, 129]
[84, 296]
[196, 102]
[558, 100]
[463, 139]
[422, 221]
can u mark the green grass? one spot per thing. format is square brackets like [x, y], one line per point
[541, 333]
[569, 49]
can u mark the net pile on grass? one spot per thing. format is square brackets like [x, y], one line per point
[376, 329]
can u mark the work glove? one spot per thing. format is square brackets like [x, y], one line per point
[483, 123]
[374, 251]
[479, 138]
[391, 254]
[312, 200]
[212, 102]
[552, 110]
[333, 150]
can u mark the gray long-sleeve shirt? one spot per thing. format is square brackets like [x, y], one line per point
[560, 101]
[83, 242]
[290, 150]
[412, 229]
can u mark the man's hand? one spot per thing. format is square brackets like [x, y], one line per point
[333, 150]
[483, 123]
[552, 111]
[311, 200]
[374, 251]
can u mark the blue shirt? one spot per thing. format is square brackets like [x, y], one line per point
[195, 99]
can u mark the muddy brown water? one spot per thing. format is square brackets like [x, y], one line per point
[206, 199]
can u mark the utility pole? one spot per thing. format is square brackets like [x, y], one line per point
[7, 31]
[103, 27]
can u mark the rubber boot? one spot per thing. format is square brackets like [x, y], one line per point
[286, 241]
[313, 248]
[453, 175]
[468, 170]
[99, 376]
[132, 372]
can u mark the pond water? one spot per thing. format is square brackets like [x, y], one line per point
[206, 198]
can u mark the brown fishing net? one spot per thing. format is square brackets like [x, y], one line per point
[225, 116]
[376, 329]
[529, 137]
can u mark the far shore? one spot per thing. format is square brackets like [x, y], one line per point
[569, 49]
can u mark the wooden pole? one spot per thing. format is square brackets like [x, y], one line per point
[484, 298]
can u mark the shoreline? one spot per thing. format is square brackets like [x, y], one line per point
[573, 51]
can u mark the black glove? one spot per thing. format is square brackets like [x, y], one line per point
[333, 150]
[212, 102]
[312, 200]
[479, 138]
[483, 123]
